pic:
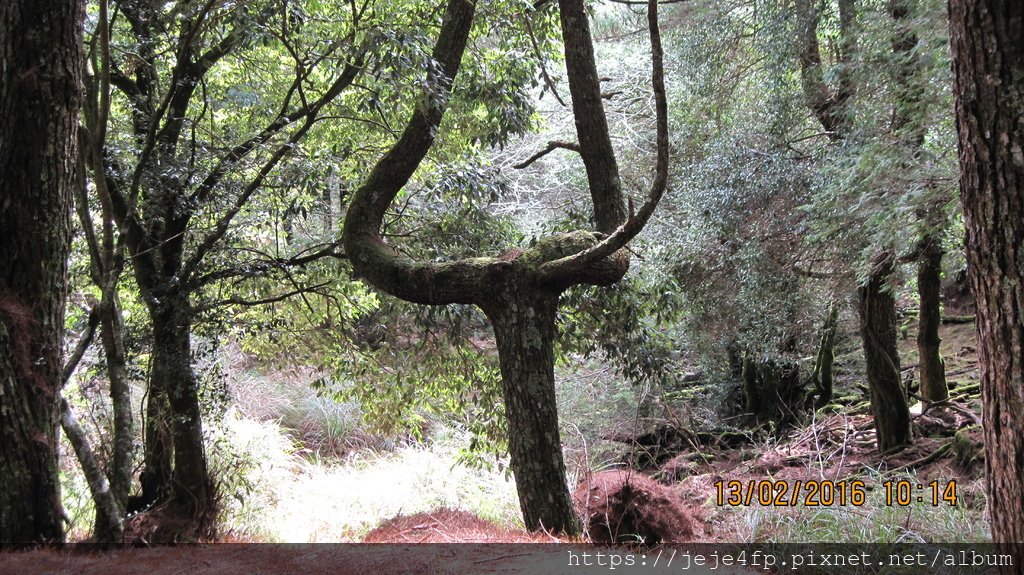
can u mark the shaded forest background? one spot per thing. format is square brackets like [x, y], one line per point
[318, 282]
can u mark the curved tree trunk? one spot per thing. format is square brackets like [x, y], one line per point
[929, 287]
[40, 68]
[987, 38]
[524, 327]
[518, 291]
[878, 331]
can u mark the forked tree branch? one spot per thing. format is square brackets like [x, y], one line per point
[571, 258]
[576, 264]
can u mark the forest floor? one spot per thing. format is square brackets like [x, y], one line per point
[680, 494]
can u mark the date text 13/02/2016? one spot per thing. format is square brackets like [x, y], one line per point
[824, 492]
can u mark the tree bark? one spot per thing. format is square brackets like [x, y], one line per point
[822, 375]
[108, 527]
[524, 327]
[40, 75]
[987, 38]
[929, 286]
[878, 332]
[174, 422]
[519, 290]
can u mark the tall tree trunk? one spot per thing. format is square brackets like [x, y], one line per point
[878, 331]
[524, 327]
[176, 467]
[831, 107]
[40, 68]
[929, 286]
[112, 338]
[987, 38]
[106, 267]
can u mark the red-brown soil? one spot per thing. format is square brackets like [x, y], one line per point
[627, 507]
[450, 526]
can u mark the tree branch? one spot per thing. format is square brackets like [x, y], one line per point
[552, 146]
[83, 344]
[261, 301]
[591, 123]
[380, 264]
[574, 266]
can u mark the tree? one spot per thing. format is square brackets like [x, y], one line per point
[175, 176]
[832, 107]
[41, 62]
[987, 38]
[909, 128]
[518, 291]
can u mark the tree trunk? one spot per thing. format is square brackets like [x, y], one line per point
[878, 331]
[987, 38]
[822, 376]
[929, 286]
[40, 68]
[519, 290]
[524, 327]
[158, 450]
[108, 527]
[112, 338]
[771, 388]
[174, 421]
[752, 399]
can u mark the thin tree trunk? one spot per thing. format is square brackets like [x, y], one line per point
[40, 77]
[751, 397]
[112, 338]
[878, 331]
[524, 327]
[822, 376]
[929, 286]
[987, 38]
[108, 527]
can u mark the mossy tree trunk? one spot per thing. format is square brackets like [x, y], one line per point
[524, 327]
[929, 286]
[40, 99]
[878, 333]
[822, 377]
[519, 291]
